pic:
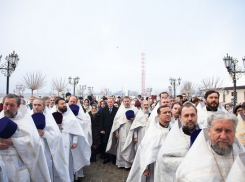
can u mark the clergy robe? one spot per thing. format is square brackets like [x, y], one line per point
[72, 132]
[147, 153]
[152, 117]
[202, 114]
[237, 172]
[199, 163]
[54, 150]
[25, 160]
[171, 154]
[3, 174]
[122, 126]
[137, 130]
[240, 130]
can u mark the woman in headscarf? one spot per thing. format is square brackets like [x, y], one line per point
[95, 124]
[87, 106]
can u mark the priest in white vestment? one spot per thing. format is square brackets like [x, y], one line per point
[210, 106]
[119, 132]
[3, 174]
[86, 126]
[237, 172]
[22, 154]
[177, 144]
[52, 143]
[214, 151]
[143, 167]
[136, 132]
[74, 139]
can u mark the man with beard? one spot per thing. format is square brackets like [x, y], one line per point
[144, 162]
[71, 129]
[214, 151]
[175, 110]
[136, 132]
[163, 95]
[47, 101]
[51, 135]
[119, 131]
[177, 144]
[17, 151]
[52, 101]
[211, 98]
[68, 95]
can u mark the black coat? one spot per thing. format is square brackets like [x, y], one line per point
[95, 123]
[106, 121]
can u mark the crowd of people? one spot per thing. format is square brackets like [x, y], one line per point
[155, 138]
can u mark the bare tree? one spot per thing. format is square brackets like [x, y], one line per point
[188, 88]
[212, 83]
[59, 84]
[34, 81]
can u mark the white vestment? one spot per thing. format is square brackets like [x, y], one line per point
[3, 174]
[202, 114]
[138, 127]
[122, 126]
[153, 116]
[54, 150]
[72, 132]
[174, 148]
[237, 172]
[147, 153]
[25, 160]
[199, 163]
[240, 130]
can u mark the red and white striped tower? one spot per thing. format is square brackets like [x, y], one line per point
[143, 75]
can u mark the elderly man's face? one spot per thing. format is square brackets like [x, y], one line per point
[52, 100]
[222, 135]
[126, 102]
[10, 107]
[47, 102]
[72, 101]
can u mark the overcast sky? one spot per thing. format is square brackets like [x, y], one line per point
[101, 41]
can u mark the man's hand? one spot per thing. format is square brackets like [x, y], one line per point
[117, 135]
[41, 132]
[3, 146]
[6, 141]
[74, 145]
[135, 140]
[147, 173]
[102, 132]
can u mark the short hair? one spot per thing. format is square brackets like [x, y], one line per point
[159, 109]
[45, 98]
[180, 96]
[126, 97]
[188, 105]
[176, 103]
[220, 115]
[12, 96]
[42, 100]
[102, 101]
[163, 93]
[75, 97]
[243, 106]
[210, 92]
[195, 100]
[58, 99]
[183, 94]
[94, 105]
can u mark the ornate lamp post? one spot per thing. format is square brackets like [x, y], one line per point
[74, 83]
[9, 66]
[234, 70]
[81, 89]
[174, 84]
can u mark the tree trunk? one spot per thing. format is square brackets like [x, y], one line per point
[31, 92]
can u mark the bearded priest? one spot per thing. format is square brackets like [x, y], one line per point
[213, 152]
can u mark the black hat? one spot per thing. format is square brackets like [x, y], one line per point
[58, 117]
[7, 127]
[39, 120]
[68, 93]
[80, 98]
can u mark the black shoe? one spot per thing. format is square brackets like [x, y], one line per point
[106, 161]
[113, 162]
[94, 157]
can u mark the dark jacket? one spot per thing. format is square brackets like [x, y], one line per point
[95, 124]
[106, 121]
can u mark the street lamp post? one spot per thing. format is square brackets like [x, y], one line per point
[234, 70]
[9, 66]
[74, 83]
[174, 84]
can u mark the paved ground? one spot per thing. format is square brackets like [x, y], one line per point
[99, 172]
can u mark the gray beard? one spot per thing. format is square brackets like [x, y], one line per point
[221, 150]
[127, 106]
[146, 111]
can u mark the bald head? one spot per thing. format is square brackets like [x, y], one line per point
[72, 100]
